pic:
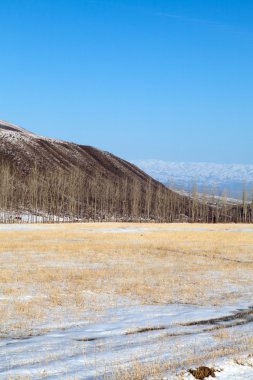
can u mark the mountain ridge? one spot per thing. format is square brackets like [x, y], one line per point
[24, 148]
[60, 179]
[77, 180]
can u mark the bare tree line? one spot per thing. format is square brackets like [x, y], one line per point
[76, 196]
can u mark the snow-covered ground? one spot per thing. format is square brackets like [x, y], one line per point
[131, 229]
[122, 336]
[170, 337]
[170, 228]
[31, 217]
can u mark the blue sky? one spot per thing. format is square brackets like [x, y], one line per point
[171, 80]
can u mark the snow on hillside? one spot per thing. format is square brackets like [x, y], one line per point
[6, 126]
[14, 132]
[185, 174]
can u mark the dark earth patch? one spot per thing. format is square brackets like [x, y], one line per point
[202, 372]
[145, 329]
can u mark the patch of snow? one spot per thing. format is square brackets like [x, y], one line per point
[89, 350]
[169, 227]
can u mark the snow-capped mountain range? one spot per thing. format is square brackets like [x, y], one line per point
[183, 175]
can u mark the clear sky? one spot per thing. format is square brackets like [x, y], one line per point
[165, 79]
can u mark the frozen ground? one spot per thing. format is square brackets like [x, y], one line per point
[172, 227]
[122, 336]
[148, 332]
[99, 227]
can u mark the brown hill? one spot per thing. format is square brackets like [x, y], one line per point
[23, 149]
[95, 184]
[46, 176]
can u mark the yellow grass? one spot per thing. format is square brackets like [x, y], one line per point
[56, 273]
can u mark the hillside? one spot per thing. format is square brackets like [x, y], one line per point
[59, 180]
[23, 148]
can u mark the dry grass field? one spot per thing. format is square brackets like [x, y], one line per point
[57, 275]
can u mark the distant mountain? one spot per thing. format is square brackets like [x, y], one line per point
[209, 176]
